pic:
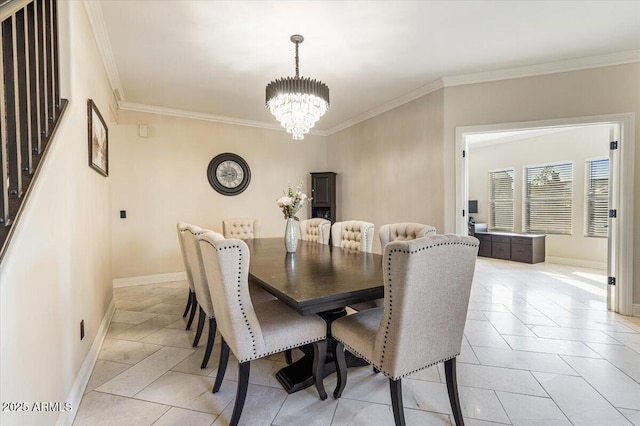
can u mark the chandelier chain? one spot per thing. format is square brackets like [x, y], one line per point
[297, 60]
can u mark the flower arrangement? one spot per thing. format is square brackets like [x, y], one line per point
[292, 201]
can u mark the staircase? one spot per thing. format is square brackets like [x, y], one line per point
[30, 103]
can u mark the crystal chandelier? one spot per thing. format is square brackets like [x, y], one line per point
[297, 102]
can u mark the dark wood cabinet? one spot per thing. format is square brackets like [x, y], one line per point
[323, 193]
[528, 248]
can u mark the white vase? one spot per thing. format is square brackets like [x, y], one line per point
[291, 235]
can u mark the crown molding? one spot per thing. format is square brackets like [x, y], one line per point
[94, 12]
[413, 95]
[150, 109]
[542, 69]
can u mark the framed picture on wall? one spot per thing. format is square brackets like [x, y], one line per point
[98, 140]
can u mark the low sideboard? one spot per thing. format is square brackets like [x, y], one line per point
[528, 248]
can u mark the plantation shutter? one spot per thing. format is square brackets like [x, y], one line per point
[597, 198]
[548, 202]
[501, 200]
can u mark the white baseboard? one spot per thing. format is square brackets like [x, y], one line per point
[636, 310]
[149, 279]
[75, 396]
[576, 262]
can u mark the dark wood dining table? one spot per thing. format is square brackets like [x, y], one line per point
[316, 279]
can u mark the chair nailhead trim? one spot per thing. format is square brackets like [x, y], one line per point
[275, 351]
[242, 309]
[388, 324]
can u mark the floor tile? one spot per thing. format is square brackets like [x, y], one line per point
[125, 351]
[136, 378]
[132, 317]
[482, 333]
[146, 328]
[529, 410]
[579, 401]
[117, 327]
[190, 392]
[360, 413]
[532, 361]
[305, 408]
[170, 337]
[622, 357]
[618, 388]
[260, 407]
[100, 409]
[550, 346]
[581, 335]
[632, 415]
[191, 364]
[104, 371]
[499, 379]
[181, 417]
[166, 308]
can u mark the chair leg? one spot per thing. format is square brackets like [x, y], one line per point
[288, 356]
[222, 365]
[241, 394]
[201, 319]
[210, 340]
[452, 388]
[341, 368]
[194, 307]
[189, 301]
[319, 357]
[396, 401]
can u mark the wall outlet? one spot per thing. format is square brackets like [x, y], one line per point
[81, 329]
[123, 214]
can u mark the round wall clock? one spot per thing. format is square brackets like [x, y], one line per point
[229, 174]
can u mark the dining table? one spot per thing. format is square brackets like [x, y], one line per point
[315, 279]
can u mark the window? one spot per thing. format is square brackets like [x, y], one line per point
[548, 198]
[501, 200]
[597, 198]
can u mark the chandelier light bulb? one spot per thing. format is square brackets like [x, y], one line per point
[297, 102]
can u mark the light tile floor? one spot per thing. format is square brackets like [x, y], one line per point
[540, 348]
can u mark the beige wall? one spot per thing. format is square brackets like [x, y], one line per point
[390, 167]
[576, 145]
[57, 270]
[161, 179]
[606, 90]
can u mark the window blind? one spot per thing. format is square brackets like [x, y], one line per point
[597, 198]
[548, 198]
[501, 200]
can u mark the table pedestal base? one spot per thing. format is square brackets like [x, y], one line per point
[298, 375]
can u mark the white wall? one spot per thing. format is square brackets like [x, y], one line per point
[57, 269]
[575, 145]
[390, 167]
[162, 179]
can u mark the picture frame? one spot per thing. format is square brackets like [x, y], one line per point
[98, 140]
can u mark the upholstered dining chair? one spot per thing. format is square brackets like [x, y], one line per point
[427, 282]
[192, 303]
[316, 230]
[353, 234]
[396, 232]
[403, 231]
[241, 228]
[194, 259]
[253, 331]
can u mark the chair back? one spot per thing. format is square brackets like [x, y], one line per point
[242, 228]
[427, 282]
[194, 259]
[316, 230]
[226, 264]
[181, 227]
[404, 231]
[353, 234]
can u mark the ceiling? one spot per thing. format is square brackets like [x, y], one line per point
[213, 59]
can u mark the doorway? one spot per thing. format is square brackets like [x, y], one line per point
[620, 239]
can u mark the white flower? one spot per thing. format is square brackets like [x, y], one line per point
[284, 201]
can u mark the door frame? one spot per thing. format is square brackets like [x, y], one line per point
[623, 239]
